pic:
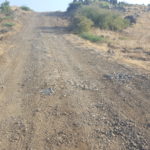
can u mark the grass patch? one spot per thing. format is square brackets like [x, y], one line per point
[93, 38]
[8, 24]
[25, 8]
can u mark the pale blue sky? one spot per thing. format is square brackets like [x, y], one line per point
[53, 5]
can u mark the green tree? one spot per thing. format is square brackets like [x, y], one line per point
[5, 8]
[87, 2]
[114, 2]
[74, 6]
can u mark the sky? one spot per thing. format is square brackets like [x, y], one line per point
[53, 5]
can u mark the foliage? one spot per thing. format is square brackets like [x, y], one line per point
[114, 2]
[118, 23]
[8, 24]
[74, 6]
[25, 8]
[81, 24]
[104, 4]
[93, 38]
[87, 14]
[103, 18]
[5, 8]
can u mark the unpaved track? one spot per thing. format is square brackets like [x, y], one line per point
[56, 95]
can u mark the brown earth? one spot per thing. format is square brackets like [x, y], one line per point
[59, 94]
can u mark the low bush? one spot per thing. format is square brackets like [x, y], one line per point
[8, 24]
[104, 4]
[25, 8]
[81, 24]
[87, 14]
[104, 19]
[118, 24]
[93, 38]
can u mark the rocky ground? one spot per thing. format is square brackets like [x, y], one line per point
[58, 94]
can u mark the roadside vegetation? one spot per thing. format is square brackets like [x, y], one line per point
[89, 14]
[5, 9]
[25, 8]
[93, 38]
[6, 18]
[8, 24]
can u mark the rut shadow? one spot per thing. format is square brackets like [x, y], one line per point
[54, 29]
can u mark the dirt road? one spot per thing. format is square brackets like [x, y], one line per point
[57, 95]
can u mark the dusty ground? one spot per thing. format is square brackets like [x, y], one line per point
[56, 94]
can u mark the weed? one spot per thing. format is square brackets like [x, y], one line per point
[8, 24]
[25, 8]
[93, 38]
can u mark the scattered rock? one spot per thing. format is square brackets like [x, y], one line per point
[132, 19]
[47, 91]
[60, 138]
[84, 85]
[148, 125]
[121, 77]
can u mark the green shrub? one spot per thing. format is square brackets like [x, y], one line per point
[104, 4]
[8, 24]
[81, 24]
[105, 19]
[25, 8]
[114, 2]
[118, 24]
[93, 38]
[74, 6]
[91, 12]
[5, 8]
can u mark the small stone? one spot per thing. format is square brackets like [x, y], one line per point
[48, 91]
